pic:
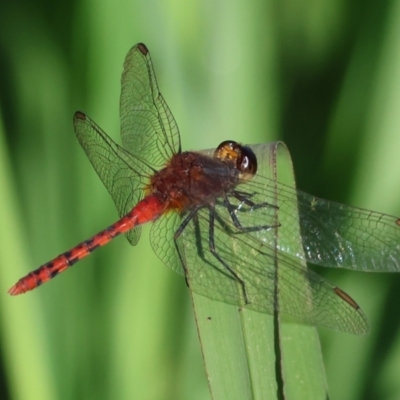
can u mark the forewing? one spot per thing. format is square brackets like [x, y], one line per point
[333, 234]
[337, 235]
[148, 128]
[123, 175]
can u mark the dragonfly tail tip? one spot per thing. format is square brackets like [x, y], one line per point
[13, 291]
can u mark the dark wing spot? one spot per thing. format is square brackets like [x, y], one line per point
[80, 115]
[346, 298]
[143, 49]
[397, 222]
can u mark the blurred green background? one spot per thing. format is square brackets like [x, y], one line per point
[323, 76]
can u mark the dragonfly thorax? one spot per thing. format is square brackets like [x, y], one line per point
[192, 179]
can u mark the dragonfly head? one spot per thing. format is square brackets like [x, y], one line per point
[242, 157]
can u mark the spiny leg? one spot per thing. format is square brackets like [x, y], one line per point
[244, 198]
[192, 214]
[211, 243]
[238, 225]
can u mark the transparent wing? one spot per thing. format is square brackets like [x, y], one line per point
[162, 240]
[350, 238]
[123, 175]
[263, 269]
[148, 128]
[333, 234]
[272, 260]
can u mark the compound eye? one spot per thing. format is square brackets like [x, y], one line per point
[247, 163]
[242, 157]
[227, 151]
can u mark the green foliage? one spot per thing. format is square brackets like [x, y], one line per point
[322, 77]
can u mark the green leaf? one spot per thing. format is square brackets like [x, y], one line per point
[250, 355]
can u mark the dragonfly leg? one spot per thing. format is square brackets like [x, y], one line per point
[192, 214]
[237, 223]
[211, 243]
[244, 198]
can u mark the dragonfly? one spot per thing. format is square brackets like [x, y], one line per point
[236, 235]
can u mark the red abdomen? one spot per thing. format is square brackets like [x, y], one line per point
[149, 209]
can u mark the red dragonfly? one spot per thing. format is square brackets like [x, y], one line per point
[217, 221]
